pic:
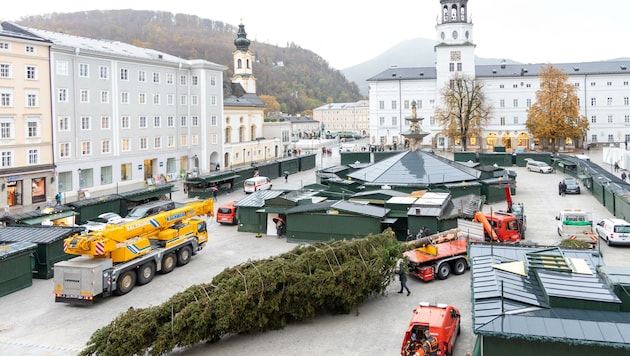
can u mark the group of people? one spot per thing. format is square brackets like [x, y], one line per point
[423, 232]
[562, 189]
[427, 345]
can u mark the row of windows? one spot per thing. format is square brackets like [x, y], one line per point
[158, 142]
[406, 104]
[5, 46]
[610, 138]
[515, 86]
[125, 122]
[610, 119]
[63, 96]
[7, 129]
[608, 83]
[6, 157]
[502, 121]
[63, 68]
[31, 97]
[30, 71]
[577, 84]
[515, 103]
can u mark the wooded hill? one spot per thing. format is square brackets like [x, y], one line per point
[299, 79]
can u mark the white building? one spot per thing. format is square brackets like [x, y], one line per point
[347, 117]
[124, 114]
[603, 89]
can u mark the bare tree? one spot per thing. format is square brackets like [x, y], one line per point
[466, 111]
[555, 116]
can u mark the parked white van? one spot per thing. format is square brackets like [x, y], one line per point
[614, 231]
[256, 183]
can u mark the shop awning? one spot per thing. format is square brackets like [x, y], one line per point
[273, 210]
[52, 217]
[213, 179]
[148, 193]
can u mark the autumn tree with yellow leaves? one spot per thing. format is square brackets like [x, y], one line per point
[272, 106]
[555, 116]
[465, 111]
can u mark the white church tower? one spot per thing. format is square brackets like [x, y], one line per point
[455, 51]
[243, 62]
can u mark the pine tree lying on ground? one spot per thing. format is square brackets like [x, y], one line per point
[257, 296]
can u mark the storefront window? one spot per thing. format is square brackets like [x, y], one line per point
[125, 171]
[106, 175]
[38, 188]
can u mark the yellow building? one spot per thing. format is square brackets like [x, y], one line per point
[27, 170]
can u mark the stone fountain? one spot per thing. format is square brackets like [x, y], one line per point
[415, 135]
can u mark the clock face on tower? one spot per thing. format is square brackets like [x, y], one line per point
[456, 56]
[454, 35]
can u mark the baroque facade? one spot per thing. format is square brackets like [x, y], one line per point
[602, 87]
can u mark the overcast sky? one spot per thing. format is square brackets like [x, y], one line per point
[350, 32]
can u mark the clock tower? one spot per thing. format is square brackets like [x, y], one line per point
[455, 51]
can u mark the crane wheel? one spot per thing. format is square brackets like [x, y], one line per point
[126, 282]
[168, 263]
[146, 272]
[459, 266]
[183, 256]
[443, 270]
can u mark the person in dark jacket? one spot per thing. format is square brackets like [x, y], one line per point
[431, 344]
[401, 269]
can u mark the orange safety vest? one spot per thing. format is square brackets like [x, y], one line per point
[432, 346]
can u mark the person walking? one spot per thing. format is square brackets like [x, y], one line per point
[401, 269]
[623, 176]
[58, 199]
[286, 177]
[563, 189]
[560, 188]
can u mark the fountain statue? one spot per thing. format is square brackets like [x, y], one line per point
[415, 135]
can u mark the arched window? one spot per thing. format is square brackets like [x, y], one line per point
[253, 133]
[454, 13]
[228, 135]
[239, 63]
[248, 67]
[445, 13]
[241, 134]
[462, 13]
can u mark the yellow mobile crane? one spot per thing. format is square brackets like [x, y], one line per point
[117, 258]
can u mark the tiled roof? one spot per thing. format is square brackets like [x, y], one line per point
[509, 70]
[414, 169]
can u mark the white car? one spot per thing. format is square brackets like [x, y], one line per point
[614, 231]
[99, 223]
[538, 166]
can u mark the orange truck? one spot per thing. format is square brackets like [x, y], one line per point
[433, 260]
[226, 214]
[442, 321]
[500, 226]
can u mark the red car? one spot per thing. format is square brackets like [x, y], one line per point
[226, 214]
[442, 320]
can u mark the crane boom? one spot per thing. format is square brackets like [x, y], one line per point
[103, 243]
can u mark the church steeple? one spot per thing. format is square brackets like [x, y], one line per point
[243, 62]
[241, 42]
